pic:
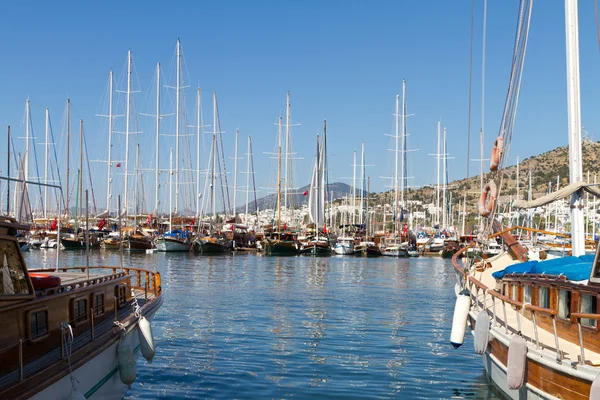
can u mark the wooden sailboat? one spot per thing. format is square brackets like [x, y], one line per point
[318, 245]
[535, 319]
[280, 243]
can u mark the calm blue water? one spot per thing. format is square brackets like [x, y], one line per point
[248, 326]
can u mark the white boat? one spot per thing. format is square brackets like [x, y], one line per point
[393, 248]
[171, 244]
[344, 246]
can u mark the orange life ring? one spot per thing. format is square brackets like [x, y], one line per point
[497, 151]
[485, 209]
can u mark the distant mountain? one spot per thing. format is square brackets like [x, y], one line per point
[297, 199]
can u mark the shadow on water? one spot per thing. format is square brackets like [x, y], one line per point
[248, 326]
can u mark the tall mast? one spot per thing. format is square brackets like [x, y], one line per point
[198, 134]
[46, 162]
[396, 199]
[68, 149]
[279, 181]
[171, 189]
[135, 192]
[444, 180]
[214, 164]
[574, 123]
[403, 151]
[437, 191]
[362, 183]
[518, 197]
[128, 117]
[8, 173]
[354, 191]
[287, 149]
[27, 137]
[110, 130]
[247, 179]
[80, 167]
[156, 171]
[177, 106]
[235, 168]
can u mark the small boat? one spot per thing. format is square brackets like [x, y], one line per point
[111, 243]
[344, 246]
[316, 247]
[393, 248]
[173, 241]
[210, 245]
[285, 244]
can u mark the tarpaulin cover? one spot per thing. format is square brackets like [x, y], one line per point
[573, 268]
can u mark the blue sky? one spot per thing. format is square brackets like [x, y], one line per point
[343, 61]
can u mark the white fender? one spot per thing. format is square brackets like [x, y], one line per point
[146, 339]
[75, 395]
[459, 321]
[126, 363]
[517, 362]
[482, 332]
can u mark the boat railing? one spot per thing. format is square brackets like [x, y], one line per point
[143, 279]
[70, 342]
[479, 291]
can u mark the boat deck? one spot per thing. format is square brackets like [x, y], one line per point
[570, 351]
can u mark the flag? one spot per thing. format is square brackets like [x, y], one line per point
[101, 224]
[284, 226]
[305, 193]
[118, 165]
[193, 221]
[54, 224]
[324, 229]
[149, 219]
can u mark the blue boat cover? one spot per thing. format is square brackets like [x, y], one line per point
[573, 268]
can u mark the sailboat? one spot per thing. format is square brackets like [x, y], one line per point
[535, 319]
[280, 243]
[318, 245]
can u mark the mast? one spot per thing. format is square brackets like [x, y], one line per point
[444, 216]
[437, 195]
[247, 180]
[287, 151]
[213, 185]
[235, 168]
[403, 168]
[80, 167]
[171, 189]
[279, 182]
[396, 199]
[156, 171]
[8, 173]
[110, 129]
[574, 123]
[362, 183]
[135, 192]
[518, 197]
[198, 127]
[27, 137]
[46, 165]
[127, 123]
[68, 149]
[177, 107]
[354, 191]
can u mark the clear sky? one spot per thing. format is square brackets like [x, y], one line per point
[342, 61]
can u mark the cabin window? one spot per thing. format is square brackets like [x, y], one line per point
[98, 304]
[13, 280]
[544, 297]
[527, 294]
[80, 310]
[38, 324]
[589, 305]
[515, 292]
[121, 295]
[564, 304]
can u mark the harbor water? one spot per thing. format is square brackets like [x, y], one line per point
[248, 326]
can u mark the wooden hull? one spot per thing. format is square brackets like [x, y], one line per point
[72, 244]
[171, 245]
[208, 247]
[373, 251]
[281, 248]
[317, 250]
[134, 244]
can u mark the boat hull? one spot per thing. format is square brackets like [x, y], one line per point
[171, 245]
[343, 250]
[134, 244]
[281, 248]
[316, 250]
[72, 244]
[208, 247]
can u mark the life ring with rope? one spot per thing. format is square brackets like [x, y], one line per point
[497, 151]
[486, 205]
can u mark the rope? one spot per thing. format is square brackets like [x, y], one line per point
[67, 339]
[136, 307]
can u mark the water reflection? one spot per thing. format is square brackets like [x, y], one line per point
[247, 326]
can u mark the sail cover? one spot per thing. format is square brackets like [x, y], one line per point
[316, 194]
[559, 194]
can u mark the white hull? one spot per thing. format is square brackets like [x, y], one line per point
[171, 246]
[98, 378]
[394, 252]
[343, 250]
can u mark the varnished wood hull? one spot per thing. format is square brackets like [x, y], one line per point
[134, 244]
[208, 247]
[281, 248]
[317, 250]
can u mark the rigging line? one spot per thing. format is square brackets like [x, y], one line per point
[228, 209]
[253, 181]
[87, 158]
[37, 170]
[470, 87]
[483, 67]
